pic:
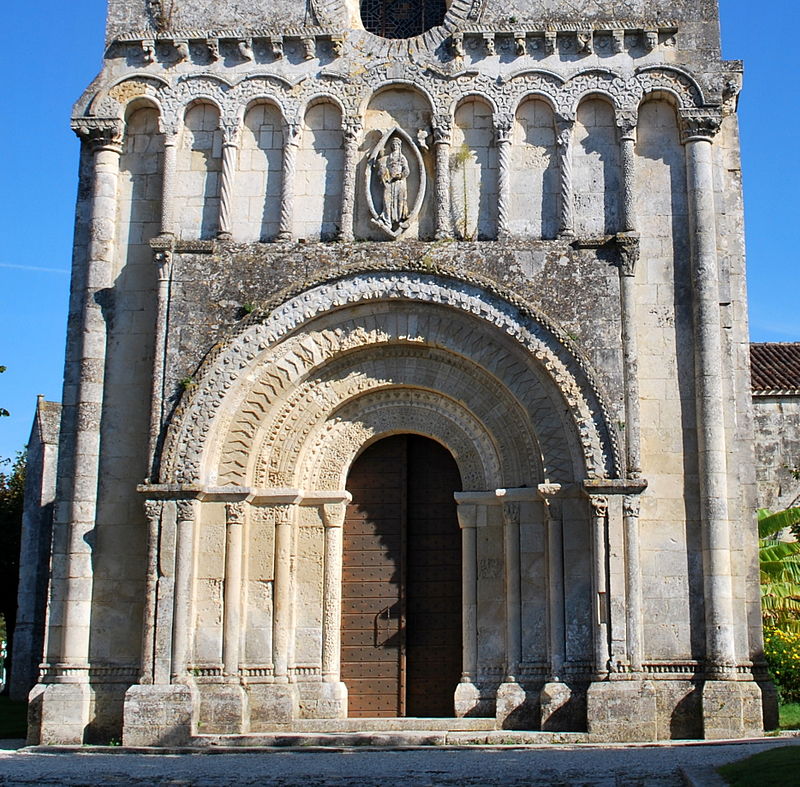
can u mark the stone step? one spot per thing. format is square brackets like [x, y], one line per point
[397, 738]
[405, 724]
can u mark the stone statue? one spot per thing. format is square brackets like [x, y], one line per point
[393, 171]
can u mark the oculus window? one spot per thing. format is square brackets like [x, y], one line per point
[401, 18]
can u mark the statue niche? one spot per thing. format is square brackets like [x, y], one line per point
[395, 182]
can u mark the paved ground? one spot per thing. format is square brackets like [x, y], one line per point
[610, 766]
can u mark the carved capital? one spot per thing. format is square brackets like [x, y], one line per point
[186, 510]
[333, 514]
[626, 123]
[442, 129]
[631, 505]
[564, 127]
[599, 505]
[503, 124]
[100, 133]
[292, 131]
[283, 514]
[235, 513]
[153, 509]
[701, 123]
[352, 127]
[231, 130]
[628, 247]
[511, 513]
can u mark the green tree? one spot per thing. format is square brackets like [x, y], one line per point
[12, 492]
[780, 569]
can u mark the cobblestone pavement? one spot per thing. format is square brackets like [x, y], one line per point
[610, 766]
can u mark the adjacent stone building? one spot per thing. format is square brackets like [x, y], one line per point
[407, 376]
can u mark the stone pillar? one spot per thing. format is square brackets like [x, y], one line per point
[61, 710]
[467, 696]
[352, 128]
[442, 130]
[291, 144]
[564, 131]
[626, 123]
[633, 581]
[334, 699]
[600, 622]
[727, 709]
[152, 511]
[230, 155]
[503, 126]
[235, 513]
[184, 569]
[169, 178]
[555, 694]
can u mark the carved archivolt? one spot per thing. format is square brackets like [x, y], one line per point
[293, 93]
[265, 379]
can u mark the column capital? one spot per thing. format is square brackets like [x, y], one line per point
[100, 133]
[293, 130]
[352, 128]
[169, 126]
[231, 131]
[333, 514]
[511, 512]
[631, 505]
[153, 509]
[467, 514]
[186, 510]
[235, 513]
[503, 125]
[700, 123]
[626, 120]
[599, 505]
[442, 129]
[628, 248]
[565, 122]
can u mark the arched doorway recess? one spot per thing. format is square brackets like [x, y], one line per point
[401, 580]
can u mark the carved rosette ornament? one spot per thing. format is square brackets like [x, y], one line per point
[390, 177]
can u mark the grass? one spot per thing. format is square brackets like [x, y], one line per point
[13, 718]
[776, 766]
[790, 716]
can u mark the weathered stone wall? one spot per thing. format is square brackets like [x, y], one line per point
[777, 444]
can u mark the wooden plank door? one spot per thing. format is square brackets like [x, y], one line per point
[401, 581]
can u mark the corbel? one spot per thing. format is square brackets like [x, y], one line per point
[488, 42]
[246, 49]
[213, 49]
[149, 51]
[549, 42]
[585, 42]
[337, 44]
[182, 49]
[457, 44]
[520, 43]
[650, 40]
[309, 48]
[617, 41]
[276, 42]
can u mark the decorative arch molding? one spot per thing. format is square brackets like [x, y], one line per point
[225, 378]
[442, 91]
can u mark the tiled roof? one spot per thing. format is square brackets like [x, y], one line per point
[775, 368]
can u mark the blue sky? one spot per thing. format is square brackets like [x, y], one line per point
[54, 49]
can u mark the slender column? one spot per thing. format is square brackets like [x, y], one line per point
[230, 155]
[564, 131]
[282, 596]
[181, 616]
[468, 522]
[555, 580]
[152, 511]
[352, 128]
[511, 518]
[699, 128]
[235, 514]
[79, 506]
[633, 580]
[503, 125]
[599, 506]
[626, 123]
[169, 177]
[162, 255]
[333, 518]
[442, 129]
[291, 143]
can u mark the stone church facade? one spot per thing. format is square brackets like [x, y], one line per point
[407, 376]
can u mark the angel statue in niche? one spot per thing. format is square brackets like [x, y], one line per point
[393, 171]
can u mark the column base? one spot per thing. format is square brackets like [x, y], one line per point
[512, 710]
[58, 714]
[554, 705]
[223, 709]
[467, 699]
[731, 709]
[622, 711]
[326, 700]
[159, 715]
[273, 706]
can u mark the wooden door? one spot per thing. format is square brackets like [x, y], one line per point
[401, 583]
